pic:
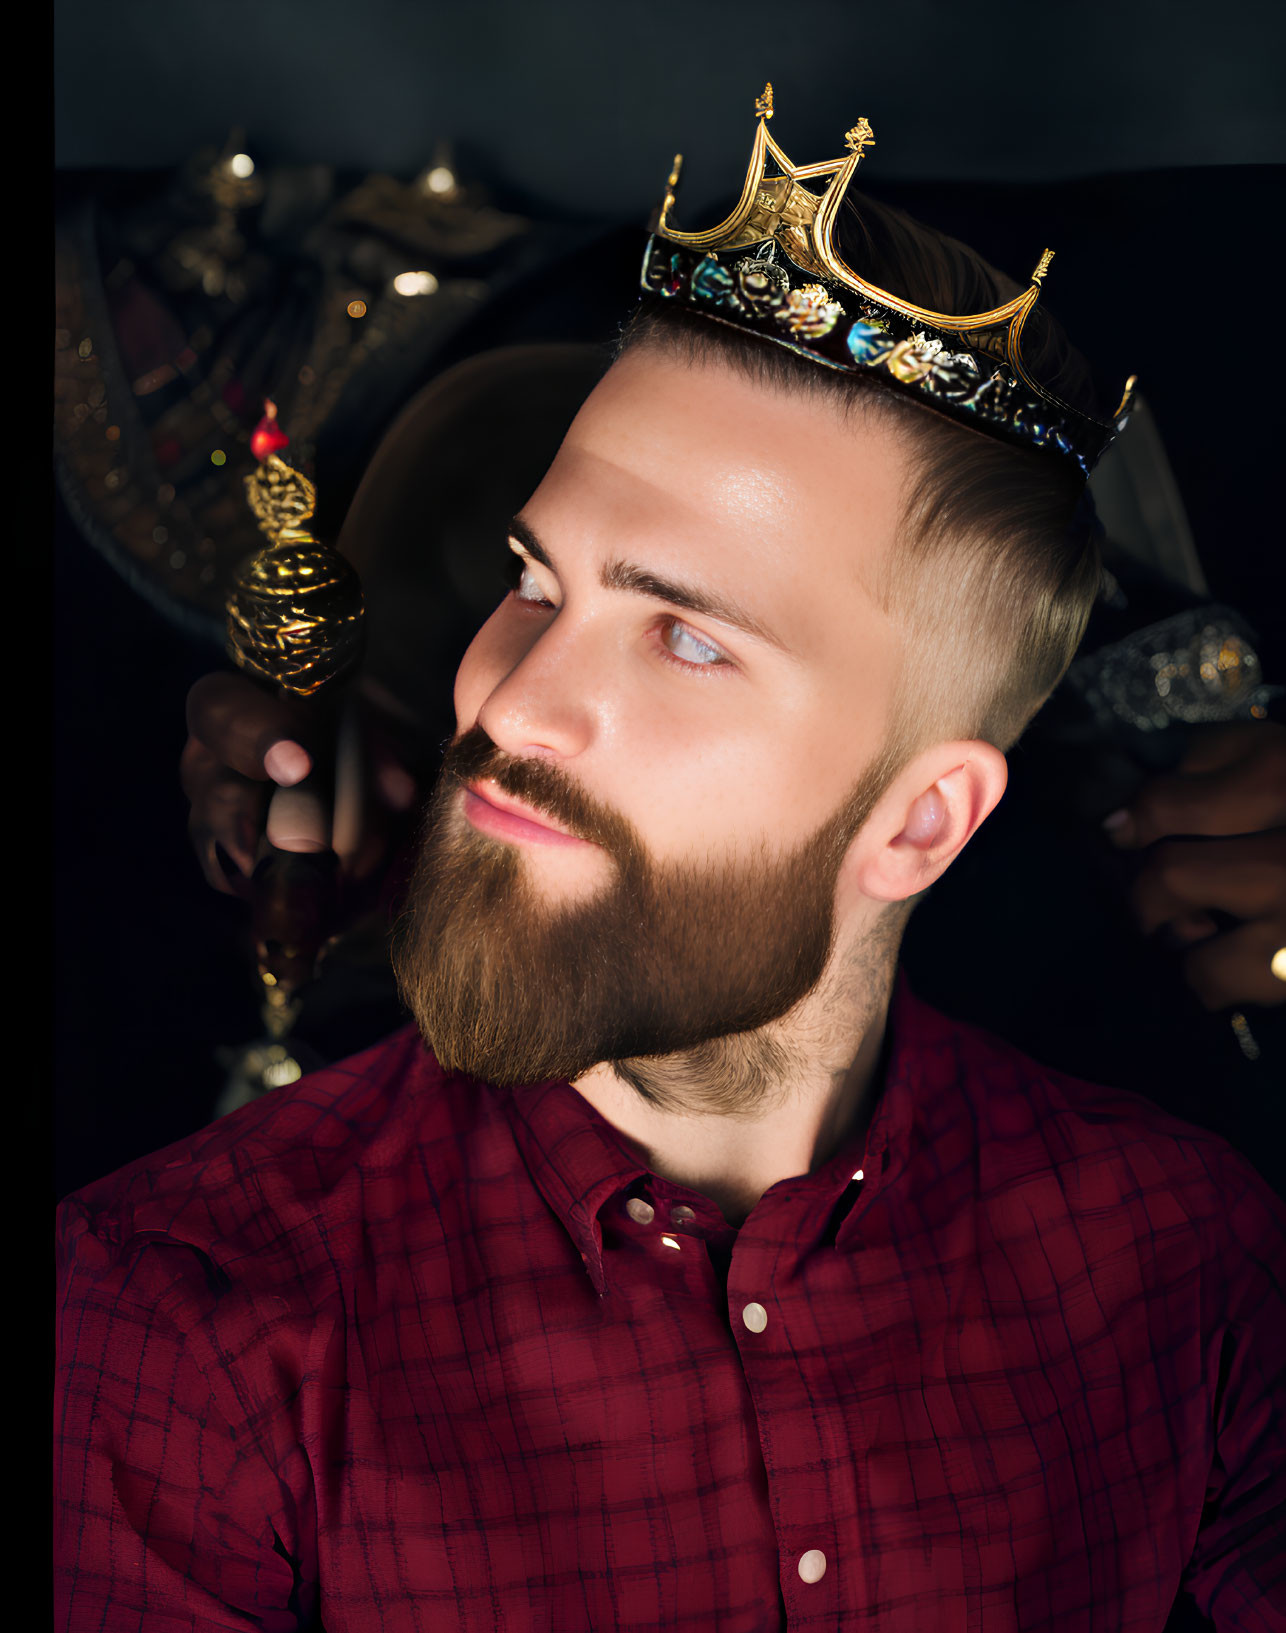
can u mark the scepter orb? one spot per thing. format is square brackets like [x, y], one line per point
[296, 615]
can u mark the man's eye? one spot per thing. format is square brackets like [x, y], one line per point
[523, 583]
[679, 644]
[687, 646]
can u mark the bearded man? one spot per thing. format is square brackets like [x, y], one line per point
[678, 1268]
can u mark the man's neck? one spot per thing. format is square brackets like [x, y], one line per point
[732, 1118]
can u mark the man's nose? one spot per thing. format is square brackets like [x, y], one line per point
[548, 700]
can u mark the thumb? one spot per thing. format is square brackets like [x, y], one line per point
[299, 818]
[1213, 803]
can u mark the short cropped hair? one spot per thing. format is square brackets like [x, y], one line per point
[995, 572]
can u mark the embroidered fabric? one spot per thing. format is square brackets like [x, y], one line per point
[1197, 666]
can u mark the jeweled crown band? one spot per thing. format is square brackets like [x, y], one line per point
[773, 267]
[860, 337]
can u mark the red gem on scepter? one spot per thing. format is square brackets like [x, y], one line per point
[268, 436]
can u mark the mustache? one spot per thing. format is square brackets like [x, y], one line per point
[540, 784]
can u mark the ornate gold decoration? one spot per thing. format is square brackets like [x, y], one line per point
[1042, 267]
[296, 616]
[213, 256]
[282, 499]
[781, 209]
[910, 360]
[809, 310]
[861, 136]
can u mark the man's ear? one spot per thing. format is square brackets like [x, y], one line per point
[925, 819]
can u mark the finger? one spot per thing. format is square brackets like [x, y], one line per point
[1190, 927]
[393, 745]
[1236, 967]
[1244, 876]
[299, 819]
[395, 785]
[196, 768]
[220, 871]
[1242, 798]
[1211, 747]
[375, 792]
[225, 807]
[391, 731]
[240, 725]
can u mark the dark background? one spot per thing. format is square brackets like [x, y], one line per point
[1141, 141]
[579, 107]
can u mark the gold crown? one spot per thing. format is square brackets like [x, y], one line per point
[779, 210]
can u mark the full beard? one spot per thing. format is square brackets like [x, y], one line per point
[670, 960]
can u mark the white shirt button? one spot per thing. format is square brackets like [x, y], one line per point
[812, 1567]
[755, 1317]
[681, 1214]
[643, 1213]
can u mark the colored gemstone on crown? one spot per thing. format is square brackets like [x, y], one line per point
[761, 289]
[755, 289]
[868, 342]
[910, 361]
[953, 377]
[809, 312]
[664, 272]
[711, 282]
[781, 217]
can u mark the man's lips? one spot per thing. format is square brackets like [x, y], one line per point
[492, 811]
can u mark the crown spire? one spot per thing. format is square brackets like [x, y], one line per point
[723, 269]
[861, 136]
[802, 223]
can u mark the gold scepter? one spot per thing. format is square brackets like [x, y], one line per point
[296, 622]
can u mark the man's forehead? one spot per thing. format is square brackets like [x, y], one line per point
[635, 479]
[592, 515]
[699, 468]
[712, 438]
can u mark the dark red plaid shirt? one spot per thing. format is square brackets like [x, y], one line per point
[390, 1349]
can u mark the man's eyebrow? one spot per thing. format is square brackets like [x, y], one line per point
[624, 575]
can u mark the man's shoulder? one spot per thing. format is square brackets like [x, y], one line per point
[1095, 1145]
[299, 1158]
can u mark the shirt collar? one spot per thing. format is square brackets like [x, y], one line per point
[580, 1163]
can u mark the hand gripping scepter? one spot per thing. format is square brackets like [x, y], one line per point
[296, 621]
